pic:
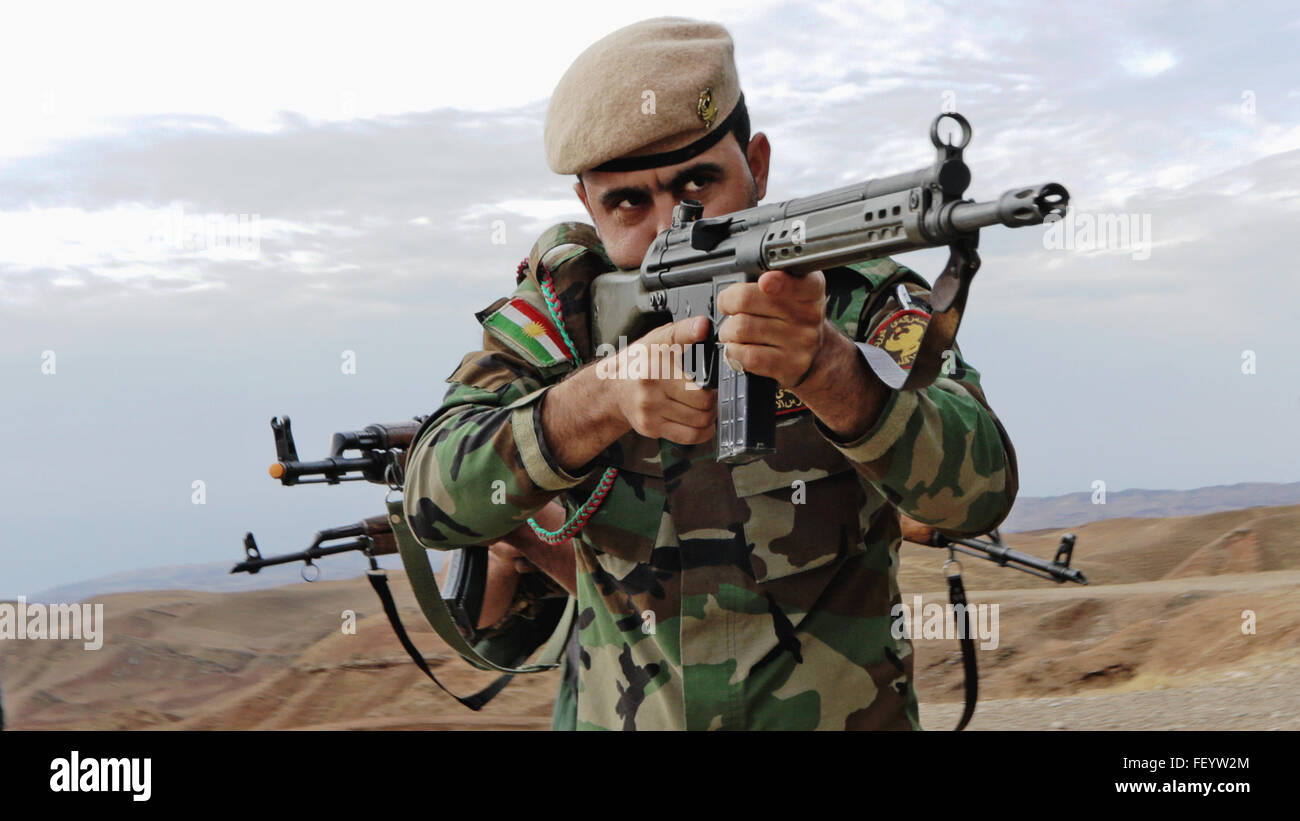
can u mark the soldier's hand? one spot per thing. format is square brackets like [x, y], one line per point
[670, 406]
[506, 564]
[914, 531]
[776, 326]
[501, 551]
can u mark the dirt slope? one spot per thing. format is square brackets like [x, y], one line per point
[1155, 641]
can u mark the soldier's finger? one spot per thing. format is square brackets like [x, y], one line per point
[747, 298]
[684, 435]
[761, 360]
[692, 395]
[505, 550]
[681, 332]
[810, 287]
[688, 416]
[755, 330]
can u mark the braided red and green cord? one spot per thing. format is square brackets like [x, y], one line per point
[579, 519]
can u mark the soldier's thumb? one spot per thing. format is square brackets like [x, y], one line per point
[681, 332]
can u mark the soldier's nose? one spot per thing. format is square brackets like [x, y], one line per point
[664, 215]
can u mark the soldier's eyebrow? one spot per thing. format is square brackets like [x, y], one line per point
[611, 198]
[703, 169]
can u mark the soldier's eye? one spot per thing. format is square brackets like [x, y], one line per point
[696, 184]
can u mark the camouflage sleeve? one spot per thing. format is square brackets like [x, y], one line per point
[939, 455]
[481, 466]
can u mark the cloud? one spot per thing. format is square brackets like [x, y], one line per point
[1149, 64]
[381, 233]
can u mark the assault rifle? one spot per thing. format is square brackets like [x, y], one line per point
[690, 262]
[377, 454]
[372, 537]
[992, 549]
[381, 455]
[1057, 570]
[463, 591]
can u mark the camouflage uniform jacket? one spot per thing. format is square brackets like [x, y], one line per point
[717, 597]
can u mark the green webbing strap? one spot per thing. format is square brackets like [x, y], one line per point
[379, 581]
[420, 574]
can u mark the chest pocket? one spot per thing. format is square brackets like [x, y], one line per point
[804, 502]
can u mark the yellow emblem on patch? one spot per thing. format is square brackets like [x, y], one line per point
[900, 335]
[705, 107]
[534, 329]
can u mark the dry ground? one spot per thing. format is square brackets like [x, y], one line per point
[1154, 642]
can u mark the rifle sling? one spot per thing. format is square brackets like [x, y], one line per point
[970, 670]
[424, 585]
[947, 301]
[379, 581]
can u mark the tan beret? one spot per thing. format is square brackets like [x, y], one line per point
[646, 96]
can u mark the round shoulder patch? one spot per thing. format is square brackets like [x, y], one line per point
[900, 335]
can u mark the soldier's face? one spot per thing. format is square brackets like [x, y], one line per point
[629, 208]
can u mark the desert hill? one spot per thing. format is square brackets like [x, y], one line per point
[1031, 513]
[1124, 551]
[1073, 509]
[1154, 641]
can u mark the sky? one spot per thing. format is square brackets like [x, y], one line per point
[367, 178]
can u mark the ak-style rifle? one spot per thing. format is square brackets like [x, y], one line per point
[992, 549]
[377, 454]
[1057, 570]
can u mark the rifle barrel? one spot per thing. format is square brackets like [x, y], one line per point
[1004, 555]
[372, 536]
[333, 469]
[379, 448]
[254, 565]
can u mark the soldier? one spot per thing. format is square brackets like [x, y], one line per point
[709, 596]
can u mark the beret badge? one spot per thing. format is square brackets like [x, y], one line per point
[706, 108]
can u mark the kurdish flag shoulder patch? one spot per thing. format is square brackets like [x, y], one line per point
[529, 332]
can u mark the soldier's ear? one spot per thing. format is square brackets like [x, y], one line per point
[581, 191]
[758, 155]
